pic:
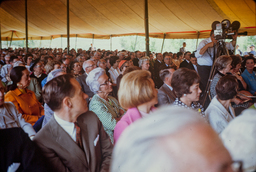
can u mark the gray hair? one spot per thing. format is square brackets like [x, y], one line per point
[85, 64]
[53, 74]
[239, 137]
[92, 79]
[142, 60]
[141, 140]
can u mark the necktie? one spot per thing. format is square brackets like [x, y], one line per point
[78, 136]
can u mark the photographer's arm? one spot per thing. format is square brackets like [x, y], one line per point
[203, 50]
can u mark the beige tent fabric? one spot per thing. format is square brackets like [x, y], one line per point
[102, 19]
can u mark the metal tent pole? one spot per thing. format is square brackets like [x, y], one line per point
[26, 23]
[68, 26]
[11, 39]
[163, 43]
[146, 27]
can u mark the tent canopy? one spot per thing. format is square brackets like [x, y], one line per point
[102, 19]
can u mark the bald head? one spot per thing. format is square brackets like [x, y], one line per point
[181, 141]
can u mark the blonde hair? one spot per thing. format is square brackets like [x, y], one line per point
[135, 89]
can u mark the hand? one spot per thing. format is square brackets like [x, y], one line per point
[121, 112]
[211, 44]
[238, 77]
[237, 101]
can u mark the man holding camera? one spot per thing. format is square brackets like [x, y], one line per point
[205, 55]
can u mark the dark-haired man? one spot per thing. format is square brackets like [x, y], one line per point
[165, 93]
[186, 61]
[74, 139]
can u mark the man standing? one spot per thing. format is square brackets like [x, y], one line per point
[205, 55]
[183, 48]
[252, 47]
[193, 63]
[88, 66]
[74, 139]
[137, 58]
[158, 64]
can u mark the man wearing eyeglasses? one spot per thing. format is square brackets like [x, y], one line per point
[88, 66]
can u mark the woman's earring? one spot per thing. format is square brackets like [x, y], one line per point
[184, 95]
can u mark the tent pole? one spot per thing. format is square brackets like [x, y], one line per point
[198, 33]
[26, 23]
[135, 42]
[163, 43]
[146, 27]
[11, 39]
[51, 43]
[68, 26]
[41, 41]
[110, 42]
[76, 41]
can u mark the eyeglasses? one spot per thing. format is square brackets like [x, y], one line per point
[91, 66]
[237, 166]
[106, 82]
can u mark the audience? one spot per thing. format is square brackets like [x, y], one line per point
[220, 111]
[24, 100]
[137, 93]
[156, 142]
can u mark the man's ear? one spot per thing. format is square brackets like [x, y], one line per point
[67, 103]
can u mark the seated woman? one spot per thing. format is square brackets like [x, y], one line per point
[220, 111]
[222, 66]
[24, 99]
[144, 63]
[36, 67]
[10, 117]
[123, 65]
[104, 106]
[76, 69]
[137, 93]
[185, 84]
[249, 75]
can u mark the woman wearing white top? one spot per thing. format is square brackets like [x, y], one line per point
[220, 112]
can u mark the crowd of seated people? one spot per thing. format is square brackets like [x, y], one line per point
[74, 108]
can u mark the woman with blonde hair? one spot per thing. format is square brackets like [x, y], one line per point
[137, 93]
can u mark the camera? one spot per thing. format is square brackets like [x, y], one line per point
[224, 29]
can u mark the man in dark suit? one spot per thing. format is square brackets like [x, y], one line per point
[74, 139]
[158, 63]
[193, 63]
[88, 66]
[185, 63]
[165, 93]
[137, 58]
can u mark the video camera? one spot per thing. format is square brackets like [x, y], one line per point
[225, 30]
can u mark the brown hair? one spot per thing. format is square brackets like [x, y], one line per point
[226, 88]
[236, 59]
[182, 80]
[57, 89]
[135, 89]
[222, 62]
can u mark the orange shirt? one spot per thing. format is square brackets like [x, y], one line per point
[26, 104]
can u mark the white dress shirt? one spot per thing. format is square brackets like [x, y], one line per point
[195, 67]
[69, 127]
[207, 58]
[114, 73]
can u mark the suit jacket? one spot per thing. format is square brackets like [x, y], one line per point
[165, 95]
[64, 154]
[157, 79]
[85, 88]
[190, 66]
[135, 62]
[17, 148]
[184, 64]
